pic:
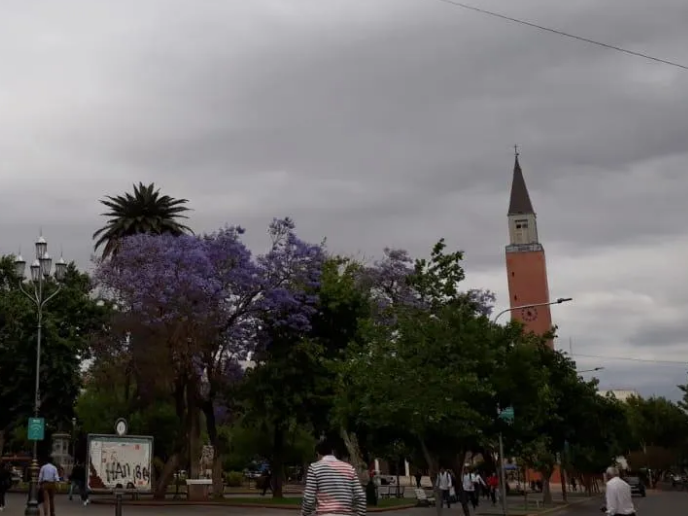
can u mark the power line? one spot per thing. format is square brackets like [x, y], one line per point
[564, 34]
[632, 359]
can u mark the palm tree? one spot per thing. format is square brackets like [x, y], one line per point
[144, 211]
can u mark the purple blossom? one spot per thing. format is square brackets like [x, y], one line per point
[291, 270]
[390, 281]
[483, 301]
[204, 296]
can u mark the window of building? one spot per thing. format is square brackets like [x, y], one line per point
[522, 224]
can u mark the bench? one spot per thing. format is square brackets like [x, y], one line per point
[198, 489]
[383, 492]
[422, 499]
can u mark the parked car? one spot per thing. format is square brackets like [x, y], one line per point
[637, 486]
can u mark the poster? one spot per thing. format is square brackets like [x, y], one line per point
[120, 462]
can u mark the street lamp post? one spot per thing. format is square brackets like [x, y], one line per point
[41, 269]
[502, 474]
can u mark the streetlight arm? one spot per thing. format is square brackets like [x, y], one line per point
[57, 291]
[532, 305]
[502, 313]
[34, 298]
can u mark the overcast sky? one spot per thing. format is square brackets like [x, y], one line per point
[374, 123]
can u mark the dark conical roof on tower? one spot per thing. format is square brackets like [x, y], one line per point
[520, 200]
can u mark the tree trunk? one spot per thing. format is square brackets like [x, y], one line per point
[218, 480]
[433, 470]
[173, 462]
[2, 443]
[546, 491]
[277, 466]
[166, 477]
[355, 456]
[193, 429]
[211, 427]
[564, 481]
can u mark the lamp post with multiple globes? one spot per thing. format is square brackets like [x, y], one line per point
[43, 291]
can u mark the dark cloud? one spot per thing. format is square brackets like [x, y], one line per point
[374, 124]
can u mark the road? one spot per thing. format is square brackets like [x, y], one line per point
[657, 503]
[16, 504]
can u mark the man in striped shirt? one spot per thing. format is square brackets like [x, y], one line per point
[332, 487]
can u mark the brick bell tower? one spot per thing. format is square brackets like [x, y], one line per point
[525, 260]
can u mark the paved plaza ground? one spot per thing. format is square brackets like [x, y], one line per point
[657, 503]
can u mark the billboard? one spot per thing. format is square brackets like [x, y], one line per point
[120, 462]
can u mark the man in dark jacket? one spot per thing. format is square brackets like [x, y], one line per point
[5, 483]
[78, 479]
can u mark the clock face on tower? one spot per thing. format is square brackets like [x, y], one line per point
[529, 314]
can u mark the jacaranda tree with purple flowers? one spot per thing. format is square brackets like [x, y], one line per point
[192, 307]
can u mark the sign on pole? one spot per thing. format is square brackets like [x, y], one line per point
[36, 429]
[120, 462]
[507, 414]
[121, 427]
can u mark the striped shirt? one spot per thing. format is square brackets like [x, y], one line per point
[333, 488]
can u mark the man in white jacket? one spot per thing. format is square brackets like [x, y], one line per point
[444, 483]
[471, 482]
[618, 495]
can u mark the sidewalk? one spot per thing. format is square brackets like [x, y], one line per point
[516, 504]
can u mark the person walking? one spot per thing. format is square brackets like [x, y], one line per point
[444, 484]
[492, 485]
[419, 477]
[267, 481]
[5, 483]
[470, 483]
[78, 480]
[332, 486]
[618, 495]
[47, 482]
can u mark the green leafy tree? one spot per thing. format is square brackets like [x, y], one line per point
[344, 311]
[143, 211]
[97, 411]
[599, 437]
[431, 368]
[568, 403]
[658, 428]
[69, 322]
[293, 381]
[276, 392]
[656, 421]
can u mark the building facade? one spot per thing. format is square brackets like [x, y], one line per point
[525, 260]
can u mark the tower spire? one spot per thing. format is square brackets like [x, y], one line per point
[519, 203]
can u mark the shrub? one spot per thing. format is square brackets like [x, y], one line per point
[234, 478]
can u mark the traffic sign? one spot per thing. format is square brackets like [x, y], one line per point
[507, 414]
[36, 429]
